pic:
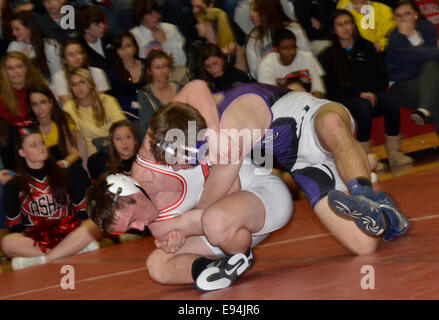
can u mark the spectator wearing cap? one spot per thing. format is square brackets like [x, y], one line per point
[287, 58]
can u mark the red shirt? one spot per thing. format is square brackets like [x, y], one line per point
[22, 108]
[430, 10]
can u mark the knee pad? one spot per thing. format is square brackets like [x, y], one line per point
[314, 182]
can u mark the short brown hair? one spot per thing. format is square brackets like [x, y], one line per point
[174, 115]
[101, 207]
[88, 15]
[142, 7]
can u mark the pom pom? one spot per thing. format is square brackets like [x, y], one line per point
[48, 233]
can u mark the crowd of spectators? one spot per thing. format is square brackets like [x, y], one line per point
[91, 75]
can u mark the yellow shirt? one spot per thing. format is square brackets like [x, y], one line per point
[377, 25]
[52, 138]
[83, 118]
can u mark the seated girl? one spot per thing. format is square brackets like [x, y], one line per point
[93, 113]
[127, 76]
[60, 134]
[74, 56]
[44, 204]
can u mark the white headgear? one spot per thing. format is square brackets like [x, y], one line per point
[126, 184]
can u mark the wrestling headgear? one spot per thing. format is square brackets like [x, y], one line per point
[195, 155]
[122, 185]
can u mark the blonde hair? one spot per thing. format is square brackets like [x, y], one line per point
[221, 23]
[99, 115]
[32, 77]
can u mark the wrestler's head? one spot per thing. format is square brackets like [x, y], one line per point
[177, 135]
[117, 203]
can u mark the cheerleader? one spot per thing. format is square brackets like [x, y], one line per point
[44, 203]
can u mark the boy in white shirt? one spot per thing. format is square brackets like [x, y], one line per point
[286, 59]
[151, 33]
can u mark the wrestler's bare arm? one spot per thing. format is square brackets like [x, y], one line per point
[189, 224]
[198, 95]
[248, 117]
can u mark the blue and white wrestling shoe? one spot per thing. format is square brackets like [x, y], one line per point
[374, 213]
[224, 272]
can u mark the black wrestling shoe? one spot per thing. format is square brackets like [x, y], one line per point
[224, 272]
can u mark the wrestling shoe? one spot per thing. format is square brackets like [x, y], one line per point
[398, 224]
[19, 263]
[224, 272]
[375, 213]
[359, 206]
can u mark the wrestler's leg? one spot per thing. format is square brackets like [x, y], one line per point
[230, 222]
[176, 268]
[332, 125]
[345, 231]
[376, 214]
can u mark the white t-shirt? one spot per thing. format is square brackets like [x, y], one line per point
[270, 69]
[255, 53]
[97, 46]
[51, 49]
[173, 45]
[60, 84]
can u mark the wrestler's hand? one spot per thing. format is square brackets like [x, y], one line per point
[175, 241]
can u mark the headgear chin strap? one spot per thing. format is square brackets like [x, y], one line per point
[195, 155]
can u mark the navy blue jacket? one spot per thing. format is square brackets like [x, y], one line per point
[403, 59]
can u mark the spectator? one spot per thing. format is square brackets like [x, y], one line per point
[151, 34]
[374, 20]
[220, 74]
[214, 25]
[5, 26]
[74, 56]
[413, 63]
[16, 74]
[268, 16]
[93, 113]
[36, 228]
[6, 171]
[430, 10]
[159, 89]
[128, 75]
[57, 128]
[123, 147]
[44, 53]
[91, 29]
[49, 22]
[287, 58]
[355, 77]
[390, 3]
[313, 16]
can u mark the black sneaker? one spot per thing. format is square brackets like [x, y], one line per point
[224, 272]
